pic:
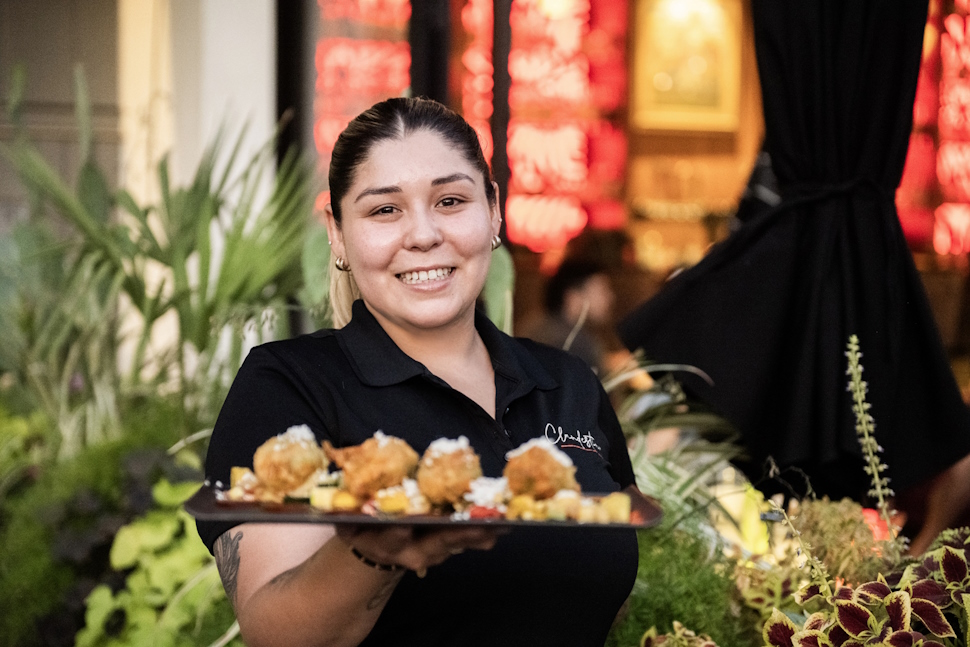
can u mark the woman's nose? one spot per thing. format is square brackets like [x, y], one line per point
[424, 232]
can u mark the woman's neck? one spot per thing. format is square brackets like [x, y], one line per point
[454, 353]
[455, 342]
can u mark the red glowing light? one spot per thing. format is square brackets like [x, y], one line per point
[955, 45]
[327, 129]
[361, 58]
[880, 531]
[547, 158]
[955, 108]
[919, 174]
[953, 169]
[951, 232]
[476, 75]
[362, 67]
[544, 222]
[566, 157]
[542, 76]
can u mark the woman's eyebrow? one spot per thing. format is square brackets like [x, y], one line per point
[379, 190]
[448, 179]
[383, 190]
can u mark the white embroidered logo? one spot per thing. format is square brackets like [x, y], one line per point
[579, 440]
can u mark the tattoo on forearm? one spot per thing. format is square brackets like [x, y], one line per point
[383, 594]
[227, 561]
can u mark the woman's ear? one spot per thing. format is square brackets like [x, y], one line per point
[334, 233]
[496, 215]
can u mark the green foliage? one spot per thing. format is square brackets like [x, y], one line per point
[683, 578]
[499, 288]
[682, 476]
[315, 262]
[840, 537]
[227, 255]
[23, 443]
[173, 595]
[58, 523]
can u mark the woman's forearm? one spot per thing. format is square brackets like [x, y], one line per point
[331, 599]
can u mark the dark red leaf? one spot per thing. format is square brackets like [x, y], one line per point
[871, 592]
[843, 593]
[932, 618]
[898, 608]
[814, 622]
[812, 638]
[953, 564]
[853, 617]
[838, 636]
[932, 591]
[901, 639]
[807, 593]
[957, 595]
[778, 630]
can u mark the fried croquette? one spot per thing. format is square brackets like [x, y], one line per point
[286, 461]
[379, 462]
[447, 469]
[539, 468]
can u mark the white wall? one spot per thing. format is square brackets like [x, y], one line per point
[223, 75]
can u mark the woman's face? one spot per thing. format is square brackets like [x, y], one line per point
[416, 231]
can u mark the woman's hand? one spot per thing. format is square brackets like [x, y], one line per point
[415, 547]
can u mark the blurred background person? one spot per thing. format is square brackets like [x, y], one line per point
[578, 302]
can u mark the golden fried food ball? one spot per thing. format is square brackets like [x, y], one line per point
[538, 467]
[379, 462]
[447, 469]
[287, 460]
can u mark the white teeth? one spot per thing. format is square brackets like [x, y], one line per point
[423, 276]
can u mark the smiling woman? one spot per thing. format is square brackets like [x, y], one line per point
[413, 221]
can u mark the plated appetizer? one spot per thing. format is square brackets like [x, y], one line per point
[385, 477]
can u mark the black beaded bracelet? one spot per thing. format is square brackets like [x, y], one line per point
[390, 568]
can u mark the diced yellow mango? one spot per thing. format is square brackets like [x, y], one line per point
[236, 474]
[321, 497]
[617, 506]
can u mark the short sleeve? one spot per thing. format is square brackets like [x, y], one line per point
[621, 468]
[266, 398]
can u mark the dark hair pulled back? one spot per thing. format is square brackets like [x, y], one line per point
[395, 118]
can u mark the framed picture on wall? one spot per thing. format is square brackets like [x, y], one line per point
[686, 67]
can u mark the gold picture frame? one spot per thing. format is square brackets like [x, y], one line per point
[686, 65]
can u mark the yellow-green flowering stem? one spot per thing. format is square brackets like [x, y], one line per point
[865, 428]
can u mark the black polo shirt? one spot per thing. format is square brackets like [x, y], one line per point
[540, 586]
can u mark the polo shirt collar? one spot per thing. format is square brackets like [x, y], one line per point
[379, 362]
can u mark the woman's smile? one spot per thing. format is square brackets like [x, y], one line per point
[423, 277]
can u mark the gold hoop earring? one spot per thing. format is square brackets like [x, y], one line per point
[341, 264]
[496, 242]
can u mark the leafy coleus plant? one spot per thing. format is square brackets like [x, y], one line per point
[928, 607]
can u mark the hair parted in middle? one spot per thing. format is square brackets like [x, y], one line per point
[396, 118]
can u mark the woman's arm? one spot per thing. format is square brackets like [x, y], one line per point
[301, 584]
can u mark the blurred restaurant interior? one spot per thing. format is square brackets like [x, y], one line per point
[626, 130]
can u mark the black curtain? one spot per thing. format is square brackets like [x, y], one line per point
[769, 311]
